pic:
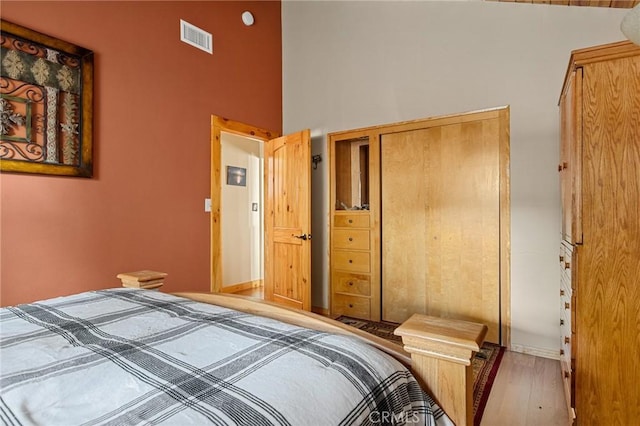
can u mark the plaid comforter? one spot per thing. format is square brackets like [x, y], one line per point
[130, 357]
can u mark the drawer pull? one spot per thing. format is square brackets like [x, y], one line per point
[567, 305]
[566, 375]
[350, 220]
[350, 239]
[561, 351]
[350, 282]
[561, 292]
[561, 258]
[351, 305]
[567, 265]
[350, 261]
[567, 340]
[561, 322]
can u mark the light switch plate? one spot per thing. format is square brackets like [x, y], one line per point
[207, 204]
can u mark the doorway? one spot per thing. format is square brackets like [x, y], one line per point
[287, 211]
[242, 214]
[239, 138]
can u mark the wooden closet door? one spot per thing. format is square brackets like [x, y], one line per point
[440, 194]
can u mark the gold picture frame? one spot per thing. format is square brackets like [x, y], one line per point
[46, 104]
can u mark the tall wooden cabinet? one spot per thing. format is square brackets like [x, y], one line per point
[355, 224]
[419, 220]
[600, 249]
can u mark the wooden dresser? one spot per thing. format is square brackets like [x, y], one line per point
[600, 249]
[351, 272]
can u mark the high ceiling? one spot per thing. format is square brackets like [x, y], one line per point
[624, 4]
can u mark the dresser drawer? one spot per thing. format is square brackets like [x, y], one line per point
[352, 261]
[565, 283]
[351, 283]
[351, 220]
[566, 347]
[565, 324]
[565, 306]
[567, 377]
[351, 306]
[357, 239]
[566, 266]
[572, 318]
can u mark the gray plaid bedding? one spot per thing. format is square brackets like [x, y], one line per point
[134, 357]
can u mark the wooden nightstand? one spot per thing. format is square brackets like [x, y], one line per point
[142, 279]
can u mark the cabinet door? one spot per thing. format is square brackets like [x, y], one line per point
[571, 159]
[608, 286]
[441, 223]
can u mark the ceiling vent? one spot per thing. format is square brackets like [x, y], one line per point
[196, 37]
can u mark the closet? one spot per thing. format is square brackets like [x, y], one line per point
[600, 248]
[419, 220]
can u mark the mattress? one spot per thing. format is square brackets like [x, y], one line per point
[133, 357]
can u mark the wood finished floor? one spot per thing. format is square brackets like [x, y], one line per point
[253, 292]
[527, 390]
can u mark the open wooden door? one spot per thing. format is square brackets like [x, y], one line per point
[287, 279]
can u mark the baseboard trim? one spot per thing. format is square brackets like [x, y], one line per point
[241, 286]
[541, 352]
[320, 311]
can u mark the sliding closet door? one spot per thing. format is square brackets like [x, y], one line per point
[440, 190]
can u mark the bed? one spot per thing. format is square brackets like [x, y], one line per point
[130, 356]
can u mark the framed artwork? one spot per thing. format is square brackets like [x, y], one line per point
[236, 176]
[46, 104]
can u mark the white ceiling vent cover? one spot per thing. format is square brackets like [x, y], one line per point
[196, 37]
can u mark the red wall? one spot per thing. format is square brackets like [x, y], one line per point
[154, 95]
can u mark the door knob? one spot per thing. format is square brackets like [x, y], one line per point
[303, 236]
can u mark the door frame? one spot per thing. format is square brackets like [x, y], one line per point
[218, 125]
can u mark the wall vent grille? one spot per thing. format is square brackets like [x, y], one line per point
[196, 37]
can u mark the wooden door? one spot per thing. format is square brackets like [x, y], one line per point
[288, 220]
[441, 223]
[571, 158]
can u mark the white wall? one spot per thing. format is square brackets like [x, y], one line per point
[356, 64]
[242, 230]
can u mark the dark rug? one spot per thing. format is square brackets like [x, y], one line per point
[485, 363]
